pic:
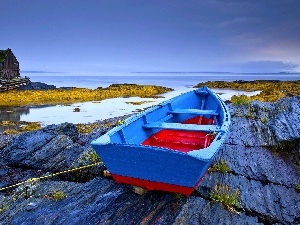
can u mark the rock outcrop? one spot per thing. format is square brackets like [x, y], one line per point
[37, 86]
[261, 151]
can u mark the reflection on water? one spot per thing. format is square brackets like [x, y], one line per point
[12, 114]
[88, 111]
[93, 111]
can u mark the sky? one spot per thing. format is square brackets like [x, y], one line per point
[96, 37]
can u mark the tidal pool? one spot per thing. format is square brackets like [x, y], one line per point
[87, 112]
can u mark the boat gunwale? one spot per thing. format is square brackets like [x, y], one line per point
[139, 115]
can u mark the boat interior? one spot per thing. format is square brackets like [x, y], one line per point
[183, 140]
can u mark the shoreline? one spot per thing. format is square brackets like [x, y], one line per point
[271, 90]
[258, 154]
[83, 113]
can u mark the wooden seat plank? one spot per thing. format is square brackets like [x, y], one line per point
[194, 111]
[180, 126]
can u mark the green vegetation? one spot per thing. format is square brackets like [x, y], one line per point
[250, 115]
[85, 128]
[240, 100]
[3, 208]
[16, 127]
[178, 195]
[222, 194]
[264, 119]
[57, 195]
[30, 126]
[221, 167]
[297, 187]
[61, 96]
[119, 122]
[271, 91]
[11, 132]
[93, 157]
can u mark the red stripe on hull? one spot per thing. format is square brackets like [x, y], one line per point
[153, 185]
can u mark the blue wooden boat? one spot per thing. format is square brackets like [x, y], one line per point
[167, 147]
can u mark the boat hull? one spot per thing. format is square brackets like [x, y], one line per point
[153, 168]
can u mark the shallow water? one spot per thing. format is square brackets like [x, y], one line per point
[94, 111]
[172, 80]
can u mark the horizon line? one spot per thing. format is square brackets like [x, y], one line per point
[170, 72]
[215, 72]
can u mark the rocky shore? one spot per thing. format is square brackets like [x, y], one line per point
[262, 153]
[37, 86]
[41, 86]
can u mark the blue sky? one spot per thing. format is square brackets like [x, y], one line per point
[96, 37]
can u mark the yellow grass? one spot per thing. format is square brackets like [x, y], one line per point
[16, 127]
[60, 96]
[271, 91]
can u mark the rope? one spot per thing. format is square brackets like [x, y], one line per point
[30, 180]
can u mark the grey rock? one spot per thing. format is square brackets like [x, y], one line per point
[31, 206]
[5, 140]
[282, 121]
[259, 163]
[275, 202]
[50, 149]
[37, 86]
[265, 179]
[67, 129]
[102, 202]
[200, 211]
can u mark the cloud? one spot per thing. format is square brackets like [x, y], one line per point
[265, 67]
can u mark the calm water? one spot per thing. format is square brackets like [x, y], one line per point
[93, 111]
[175, 80]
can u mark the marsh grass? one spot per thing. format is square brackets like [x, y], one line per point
[11, 132]
[271, 91]
[16, 127]
[240, 100]
[61, 96]
[30, 126]
[85, 128]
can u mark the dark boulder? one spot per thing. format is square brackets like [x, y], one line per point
[53, 148]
